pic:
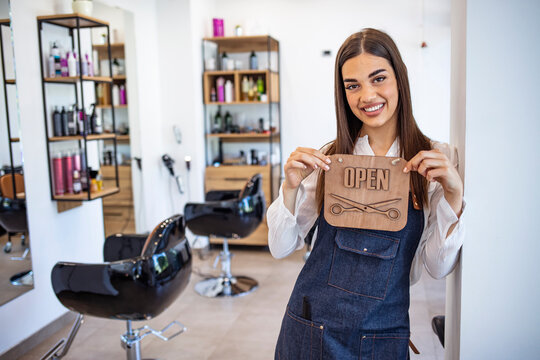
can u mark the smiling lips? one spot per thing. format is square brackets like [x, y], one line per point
[373, 109]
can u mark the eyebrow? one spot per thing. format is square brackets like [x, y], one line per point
[369, 76]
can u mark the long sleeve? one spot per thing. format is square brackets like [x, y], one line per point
[286, 232]
[438, 252]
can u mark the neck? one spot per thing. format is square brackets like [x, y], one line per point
[380, 138]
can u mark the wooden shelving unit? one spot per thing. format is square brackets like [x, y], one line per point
[234, 177]
[83, 196]
[75, 79]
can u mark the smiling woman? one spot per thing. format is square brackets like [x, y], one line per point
[354, 287]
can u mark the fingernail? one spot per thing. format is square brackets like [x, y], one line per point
[327, 167]
[405, 170]
[315, 166]
[328, 160]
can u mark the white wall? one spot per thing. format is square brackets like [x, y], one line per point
[500, 279]
[76, 235]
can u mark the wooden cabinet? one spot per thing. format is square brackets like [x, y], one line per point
[118, 213]
[253, 143]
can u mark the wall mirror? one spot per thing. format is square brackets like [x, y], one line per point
[16, 276]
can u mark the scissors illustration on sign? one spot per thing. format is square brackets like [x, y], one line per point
[338, 209]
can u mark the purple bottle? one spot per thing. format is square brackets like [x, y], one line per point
[64, 66]
[218, 27]
[220, 84]
[123, 100]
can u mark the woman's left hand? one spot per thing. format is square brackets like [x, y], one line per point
[435, 166]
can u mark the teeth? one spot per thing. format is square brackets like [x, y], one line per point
[374, 108]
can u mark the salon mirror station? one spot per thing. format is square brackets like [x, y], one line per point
[15, 259]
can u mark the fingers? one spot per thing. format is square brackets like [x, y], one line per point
[315, 153]
[310, 157]
[428, 164]
[415, 162]
[433, 174]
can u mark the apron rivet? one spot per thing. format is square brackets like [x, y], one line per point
[363, 337]
[365, 249]
[340, 160]
[321, 327]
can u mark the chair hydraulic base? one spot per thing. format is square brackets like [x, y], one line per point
[131, 339]
[225, 285]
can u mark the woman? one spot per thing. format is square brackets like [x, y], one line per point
[347, 304]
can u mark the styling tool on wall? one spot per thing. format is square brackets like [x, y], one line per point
[169, 164]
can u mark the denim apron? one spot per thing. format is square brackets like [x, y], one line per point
[351, 299]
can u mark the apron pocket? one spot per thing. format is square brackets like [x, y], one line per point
[300, 339]
[384, 346]
[362, 262]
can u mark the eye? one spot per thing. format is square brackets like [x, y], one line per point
[379, 79]
[351, 87]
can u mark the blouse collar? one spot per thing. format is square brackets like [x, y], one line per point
[362, 147]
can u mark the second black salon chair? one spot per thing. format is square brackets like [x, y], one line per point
[227, 215]
[141, 276]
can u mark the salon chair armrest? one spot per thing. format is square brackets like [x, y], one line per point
[220, 195]
[120, 246]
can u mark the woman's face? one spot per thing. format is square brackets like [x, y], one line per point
[371, 89]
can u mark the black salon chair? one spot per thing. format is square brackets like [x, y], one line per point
[142, 275]
[228, 215]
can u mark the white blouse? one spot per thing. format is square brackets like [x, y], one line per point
[286, 232]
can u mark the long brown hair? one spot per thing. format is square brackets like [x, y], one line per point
[411, 139]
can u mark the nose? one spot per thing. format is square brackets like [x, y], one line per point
[367, 95]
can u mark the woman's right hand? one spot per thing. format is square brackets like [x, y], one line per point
[301, 163]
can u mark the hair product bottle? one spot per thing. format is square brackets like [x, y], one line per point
[115, 95]
[213, 96]
[123, 97]
[55, 52]
[65, 121]
[77, 186]
[229, 91]
[57, 122]
[64, 65]
[89, 65]
[220, 84]
[217, 127]
[58, 174]
[245, 88]
[72, 65]
[68, 172]
[253, 65]
[228, 122]
[224, 61]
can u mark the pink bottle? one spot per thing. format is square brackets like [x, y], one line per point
[58, 175]
[123, 100]
[218, 27]
[76, 160]
[68, 172]
[220, 85]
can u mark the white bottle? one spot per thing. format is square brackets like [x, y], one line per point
[52, 69]
[228, 91]
[72, 65]
[115, 95]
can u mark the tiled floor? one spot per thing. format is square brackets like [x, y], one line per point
[240, 328]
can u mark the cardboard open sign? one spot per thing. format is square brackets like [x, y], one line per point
[366, 192]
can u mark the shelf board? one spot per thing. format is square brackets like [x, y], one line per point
[237, 44]
[242, 136]
[108, 106]
[14, 140]
[103, 47]
[84, 195]
[10, 81]
[119, 77]
[70, 20]
[5, 22]
[240, 72]
[74, 79]
[237, 103]
[79, 137]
